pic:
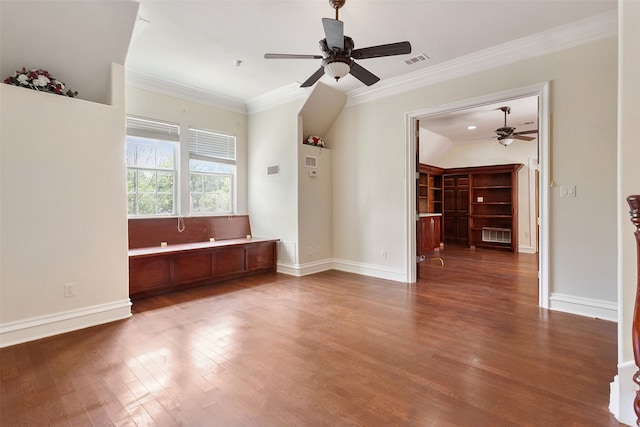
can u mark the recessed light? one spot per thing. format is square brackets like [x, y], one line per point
[472, 127]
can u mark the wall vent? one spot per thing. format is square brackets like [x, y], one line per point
[415, 59]
[273, 170]
[496, 235]
[310, 162]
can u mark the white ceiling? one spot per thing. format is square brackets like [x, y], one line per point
[197, 43]
[486, 119]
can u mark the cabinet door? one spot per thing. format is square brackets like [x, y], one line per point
[192, 267]
[260, 256]
[229, 260]
[456, 208]
[148, 273]
[426, 227]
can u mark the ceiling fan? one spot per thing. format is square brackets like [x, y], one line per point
[507, 134]
[338, 53]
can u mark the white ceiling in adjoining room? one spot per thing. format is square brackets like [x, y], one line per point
[454, 125]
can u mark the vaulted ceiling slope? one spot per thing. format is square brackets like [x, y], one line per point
[76, 41]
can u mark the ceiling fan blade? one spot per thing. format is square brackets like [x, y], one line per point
[314, 78]
[334, 32]
[363, 74]
[521, 137]
[525, 132]
[290, 56]
[391, 49]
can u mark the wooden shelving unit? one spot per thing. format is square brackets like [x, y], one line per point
[430, 189]
[493, 210]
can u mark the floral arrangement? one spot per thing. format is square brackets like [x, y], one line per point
[40, 80]
[314, 140]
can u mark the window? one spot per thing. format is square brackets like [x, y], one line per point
[152, 172]
[212, 172]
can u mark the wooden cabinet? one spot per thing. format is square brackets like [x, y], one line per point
[430, 227]
[456, 208]
[165, 269]
[493, 214]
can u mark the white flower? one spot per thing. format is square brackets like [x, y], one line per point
[23, 79]
[41, 81]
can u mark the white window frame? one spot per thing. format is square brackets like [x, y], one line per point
[216, 148]
[158, 131]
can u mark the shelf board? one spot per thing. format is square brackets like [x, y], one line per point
[490, 216]
[490, 187]
[490, 203]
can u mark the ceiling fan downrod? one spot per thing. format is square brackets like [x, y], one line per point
[337, 4]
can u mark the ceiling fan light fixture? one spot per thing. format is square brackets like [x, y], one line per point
[337, 69]
[505, 141]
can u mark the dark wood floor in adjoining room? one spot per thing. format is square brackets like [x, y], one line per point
[467, 346]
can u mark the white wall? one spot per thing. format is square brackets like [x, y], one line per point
[141, 102]
[274, 135]
[623, 389]
[63, 212]
[369, 149]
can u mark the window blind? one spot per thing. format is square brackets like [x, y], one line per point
[212, 145]
[153, 129]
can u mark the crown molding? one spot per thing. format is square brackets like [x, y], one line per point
[554, 40]
[276, 97]
[189, 93]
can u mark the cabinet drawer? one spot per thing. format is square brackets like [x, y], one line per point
[260, 256]
[192, 267]
[149, 273]
[229, 261]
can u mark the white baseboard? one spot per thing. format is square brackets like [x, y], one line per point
[371, 270]
[306, 268]
[379, 271]
[34, 328]
[527, 249]
[623, 392]
[584, 306]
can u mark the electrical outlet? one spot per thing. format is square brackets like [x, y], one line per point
[309, 251]
[69, 290]
[384, 254]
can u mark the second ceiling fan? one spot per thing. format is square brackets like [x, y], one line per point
[338, 53]
[507, 134]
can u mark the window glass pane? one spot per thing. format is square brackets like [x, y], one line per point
[196, 202]
[165, 204]
[209, 183]
[165, 182]
[196, 182]
[130, 152]
[145, 153]
[146, 204]
[131, 181]
[146, 181]
[165, 155]
[131, 204]
[204, 166]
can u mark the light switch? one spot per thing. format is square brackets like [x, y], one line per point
[568, 191]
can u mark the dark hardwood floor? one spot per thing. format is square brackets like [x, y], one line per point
[467, 346]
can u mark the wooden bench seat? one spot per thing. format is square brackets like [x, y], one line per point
[189, 257]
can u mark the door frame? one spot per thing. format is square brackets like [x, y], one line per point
[541, 90]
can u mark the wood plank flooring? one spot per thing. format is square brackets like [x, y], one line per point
[467, 346]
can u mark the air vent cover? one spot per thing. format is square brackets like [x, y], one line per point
[310, 162]
[415, 59]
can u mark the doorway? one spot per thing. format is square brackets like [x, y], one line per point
[541, 91]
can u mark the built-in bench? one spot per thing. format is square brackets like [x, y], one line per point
[207, 250]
